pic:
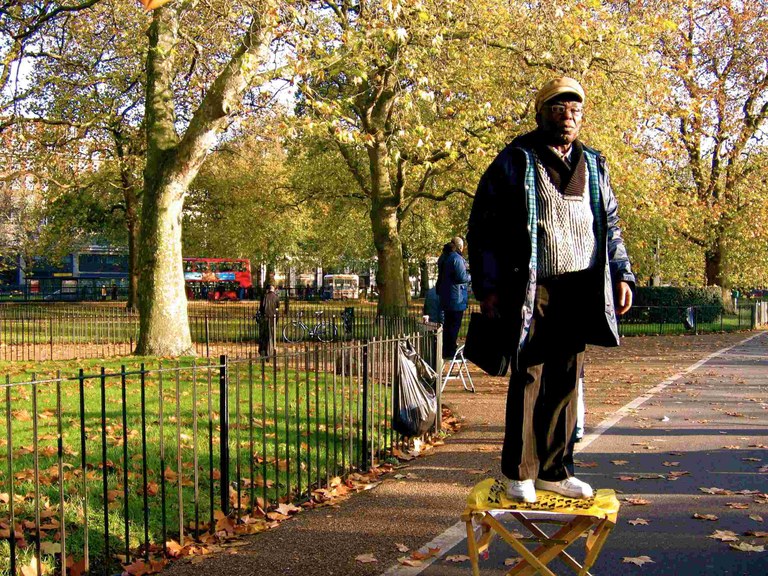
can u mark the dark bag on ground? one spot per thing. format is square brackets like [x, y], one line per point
[415, 401]
[487, 344]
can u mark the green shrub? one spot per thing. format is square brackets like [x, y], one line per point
[669, 303]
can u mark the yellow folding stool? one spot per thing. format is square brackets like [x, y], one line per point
[595, 516]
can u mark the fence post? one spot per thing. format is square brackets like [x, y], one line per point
[224, 435]
[207, 340]
[753, 314]
[439, 370]
[364, 448]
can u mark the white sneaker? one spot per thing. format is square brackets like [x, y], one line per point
[521, 490]
[571, 487]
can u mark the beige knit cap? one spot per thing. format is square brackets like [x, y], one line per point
[562, 85]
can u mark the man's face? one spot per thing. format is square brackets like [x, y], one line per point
[560, 119]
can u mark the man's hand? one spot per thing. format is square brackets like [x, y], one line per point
[624, 302]
[489, 305]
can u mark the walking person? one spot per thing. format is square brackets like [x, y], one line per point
[547, 256]
[452, 285]
[268, 310]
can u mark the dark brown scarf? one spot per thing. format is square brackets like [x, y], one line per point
[568, 177]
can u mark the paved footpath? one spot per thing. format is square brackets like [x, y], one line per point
[710, 420]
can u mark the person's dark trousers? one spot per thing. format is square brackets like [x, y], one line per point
[541, 402]
[451, 326]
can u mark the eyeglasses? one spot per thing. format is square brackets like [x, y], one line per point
[576, 110]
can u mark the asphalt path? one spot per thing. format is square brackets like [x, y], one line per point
[703, 428]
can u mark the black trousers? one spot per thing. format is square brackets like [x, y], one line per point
[451, 326]
[541, 401]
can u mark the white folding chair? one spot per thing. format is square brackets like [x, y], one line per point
[459, 364]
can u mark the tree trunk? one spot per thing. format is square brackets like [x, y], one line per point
[713, 264]
[172, 162]
[407, 282]
[162, 300]
[715, 270]
[132, 220]
[386, 234]
[389, 277]
[424, 273]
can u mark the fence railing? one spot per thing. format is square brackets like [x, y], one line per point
[642, 320]
[119, 464]
[62, 331]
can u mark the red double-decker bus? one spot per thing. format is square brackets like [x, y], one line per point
[217, 278]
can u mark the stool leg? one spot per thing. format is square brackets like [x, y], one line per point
[474, 557]
[595, 544]
[548, 551]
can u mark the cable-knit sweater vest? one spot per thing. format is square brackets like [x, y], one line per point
[566, 237]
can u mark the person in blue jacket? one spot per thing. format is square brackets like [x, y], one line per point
[452, 288]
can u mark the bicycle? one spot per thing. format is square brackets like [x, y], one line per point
[297, 330]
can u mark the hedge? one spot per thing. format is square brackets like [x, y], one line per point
[669, 303]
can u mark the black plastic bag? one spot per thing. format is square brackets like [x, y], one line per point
[415, 401]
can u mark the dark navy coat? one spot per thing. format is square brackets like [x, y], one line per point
[503, 245]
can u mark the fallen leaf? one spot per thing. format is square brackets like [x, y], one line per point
[287, 509]
[710, 517]
[512, 561]
[638, 521]
[747, 547]
[75, 568]
[724, 536]
[639, 560]
[137, 568]
[456, 558]
[677, 474]
[737, 505]
[419, 555]
[31, 569]
[670, 464]
[50, 548]
[755, 517]
[366, 558]
[580, 464]
[402, 547]
[405, 561]
[718, 491]
[619, 462]
[756, 533]
[637, 501]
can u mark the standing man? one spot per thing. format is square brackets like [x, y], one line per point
[452, 281]
[268, 308]
[547, 256]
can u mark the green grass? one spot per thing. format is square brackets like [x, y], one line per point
[281, 436]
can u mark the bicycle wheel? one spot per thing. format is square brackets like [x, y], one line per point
[325, 332]
[294, 332]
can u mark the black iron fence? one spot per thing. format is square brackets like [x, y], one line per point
[642, 320]
[118, 465]
[62, 332]
[65, 331]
